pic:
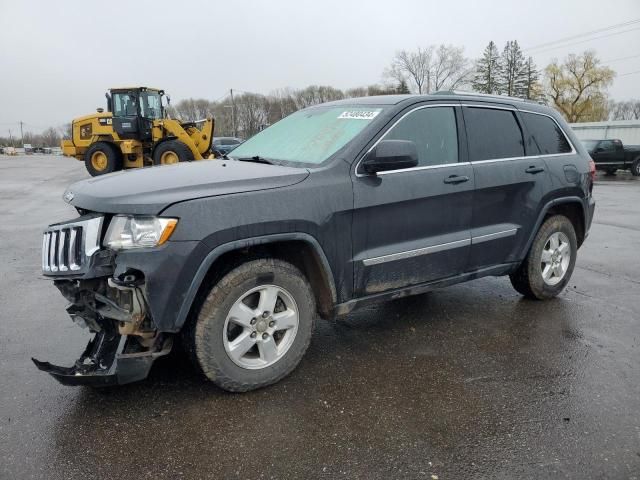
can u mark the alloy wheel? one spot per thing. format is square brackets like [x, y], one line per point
[260, 327]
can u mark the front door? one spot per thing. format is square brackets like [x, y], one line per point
[412, 226]
[605, 154]
[126, 115]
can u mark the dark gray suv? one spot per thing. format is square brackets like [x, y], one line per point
[334, 207]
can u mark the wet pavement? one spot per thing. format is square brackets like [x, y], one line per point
[471, 381]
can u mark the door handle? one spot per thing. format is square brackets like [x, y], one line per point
[456, 179]
[534, 170]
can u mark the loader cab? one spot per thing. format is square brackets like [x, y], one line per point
[134, 110]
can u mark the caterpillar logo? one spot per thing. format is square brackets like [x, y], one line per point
[105, 121]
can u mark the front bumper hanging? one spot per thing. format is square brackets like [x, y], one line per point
[108, 360]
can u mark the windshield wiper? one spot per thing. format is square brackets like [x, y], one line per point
[256, 159]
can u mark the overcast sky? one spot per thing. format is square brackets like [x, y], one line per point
[58, 57]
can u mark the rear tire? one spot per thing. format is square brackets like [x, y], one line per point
[546, 270]
[170, 152]
[635, 167]
[235, 344]
[102, 158]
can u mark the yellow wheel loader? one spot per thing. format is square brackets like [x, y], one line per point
[134, 132]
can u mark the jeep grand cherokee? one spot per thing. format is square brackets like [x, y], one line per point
[334, 207]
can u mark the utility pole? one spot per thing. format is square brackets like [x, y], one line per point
[233, 114]
[11, 138]
[21, 134]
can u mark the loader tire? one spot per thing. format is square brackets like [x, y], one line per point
[102, 158]
[170, 152]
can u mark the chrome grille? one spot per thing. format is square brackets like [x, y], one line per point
[67, 247]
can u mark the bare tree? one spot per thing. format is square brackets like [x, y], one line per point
[430, 69]
[414, 67]
[252, 113]
[450, 68]
[625, 110]
[50, 137]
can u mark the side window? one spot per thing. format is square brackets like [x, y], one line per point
[124, 105]
[546, 133]
[492, 134]
[433, 130]
[607, 146]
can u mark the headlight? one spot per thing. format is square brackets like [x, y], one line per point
[138, 232]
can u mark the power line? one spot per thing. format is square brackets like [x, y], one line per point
[629, 73]
[587, 40]
[585, 34]
[620, 59]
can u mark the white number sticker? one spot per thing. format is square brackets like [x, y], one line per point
[359, 115]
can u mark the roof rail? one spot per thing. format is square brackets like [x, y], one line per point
[488, 95]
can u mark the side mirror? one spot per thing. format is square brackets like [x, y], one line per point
[391, 155]
[598, 150]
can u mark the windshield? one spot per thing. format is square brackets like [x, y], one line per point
[309, 136]
[590, 144]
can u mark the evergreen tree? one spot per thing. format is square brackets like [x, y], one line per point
[532, 87]
[402, 87]
[488, 71]
[513, 74]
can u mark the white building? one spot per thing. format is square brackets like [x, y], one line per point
[626, 130]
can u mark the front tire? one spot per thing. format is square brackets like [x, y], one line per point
[170, 152]
[254, 325]
[102, 158]
[635, 167]
[546, 270]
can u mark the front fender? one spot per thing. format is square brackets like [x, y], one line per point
[217, 252]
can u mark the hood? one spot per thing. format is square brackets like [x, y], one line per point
[151, 190]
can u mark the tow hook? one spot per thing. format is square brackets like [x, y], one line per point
[109, 359]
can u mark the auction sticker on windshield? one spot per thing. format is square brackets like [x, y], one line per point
[359, 114]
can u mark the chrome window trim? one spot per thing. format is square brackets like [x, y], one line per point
[416, 252]
[426, 167]
[490, 160]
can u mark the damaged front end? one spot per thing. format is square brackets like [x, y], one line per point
[114, 308]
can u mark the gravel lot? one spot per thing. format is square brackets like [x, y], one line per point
[470, 381]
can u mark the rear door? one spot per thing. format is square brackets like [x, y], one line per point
[509, 186]
[412, 226]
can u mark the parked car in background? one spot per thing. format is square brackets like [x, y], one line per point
[333, 208]
[223, 145]
[611, 155]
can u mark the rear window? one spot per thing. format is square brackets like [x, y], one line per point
[546, 133]
[492, 134]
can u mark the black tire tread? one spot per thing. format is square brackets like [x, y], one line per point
[182, 150]
[524, 279]
[200, 351]
[113, 155]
